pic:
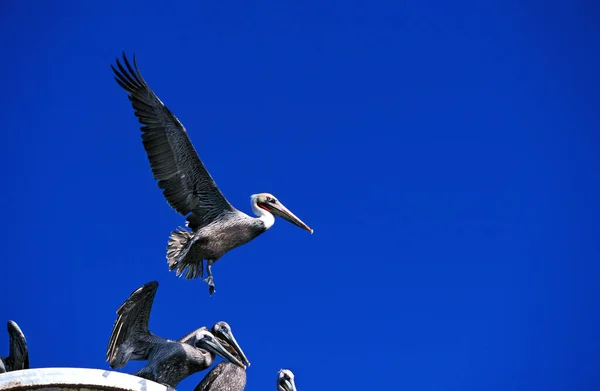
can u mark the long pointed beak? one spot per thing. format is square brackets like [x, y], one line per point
[283, 212]
[289, 385]
[231, 341]
[217, 348]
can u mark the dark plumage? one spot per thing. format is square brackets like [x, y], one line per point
[217, 227]
[18, 355]
[169, 361]
[223, 377]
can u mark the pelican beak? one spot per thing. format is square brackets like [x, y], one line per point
[278, 209]
[288, 385]
[228, 336]
[214, 346]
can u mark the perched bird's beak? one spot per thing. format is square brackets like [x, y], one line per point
[288, 385]
[278, 209]
[228, 336]
[213, 345]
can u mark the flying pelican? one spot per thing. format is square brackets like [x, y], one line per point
[225, 376]
[169, 361]
[18, 355]
[217, 227]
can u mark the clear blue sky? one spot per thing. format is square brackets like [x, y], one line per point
[444, 152]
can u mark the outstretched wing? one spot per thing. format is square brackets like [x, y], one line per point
[186, 184]
[130, 338]
[18, 357]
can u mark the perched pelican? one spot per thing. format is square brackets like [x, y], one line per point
[217, 227]
[18, 355]
[169, 362]
[285, 380]
[225, 376]
[222, 331]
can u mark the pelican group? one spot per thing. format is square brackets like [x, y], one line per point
[213, 228]
[226, 377]
[18, 355]
[169, 361]
[216, 226]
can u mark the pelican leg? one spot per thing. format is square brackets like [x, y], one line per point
[209, 279]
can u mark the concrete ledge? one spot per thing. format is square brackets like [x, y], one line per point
[66, 379]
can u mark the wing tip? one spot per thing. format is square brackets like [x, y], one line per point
[13, 328]
[128, 77]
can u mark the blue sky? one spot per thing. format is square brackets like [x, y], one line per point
[444, 152]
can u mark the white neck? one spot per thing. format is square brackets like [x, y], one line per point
[267, 218]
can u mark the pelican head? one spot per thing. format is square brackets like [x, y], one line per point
[206, 340]
[222, 330]
[272, 205]
[285, 380]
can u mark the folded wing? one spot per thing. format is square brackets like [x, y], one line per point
[18, 357]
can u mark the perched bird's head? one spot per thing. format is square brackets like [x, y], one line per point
[222, 330]
[207, 341]
[285, 380]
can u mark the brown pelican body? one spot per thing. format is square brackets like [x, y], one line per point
[225, 377]
[18, 355]
[169, 361]
[217, 227]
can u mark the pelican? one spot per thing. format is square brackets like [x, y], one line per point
[217, 227]
[169, 362]
[285, 380]
[225, 376]
[18, 355]
[222, 331]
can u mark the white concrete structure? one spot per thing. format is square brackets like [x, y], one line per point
[68, 379]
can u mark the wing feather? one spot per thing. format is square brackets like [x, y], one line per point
[186, 184]
[18, 357]
[130, 338]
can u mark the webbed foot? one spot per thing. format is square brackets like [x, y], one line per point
[211, 285]
[209, 279]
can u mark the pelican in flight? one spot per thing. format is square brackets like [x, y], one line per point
[217, 227]
[169, 362]
[18, 355]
